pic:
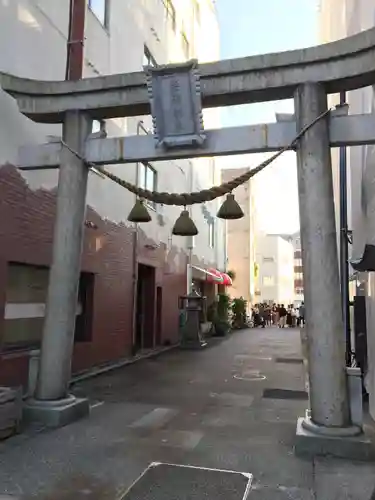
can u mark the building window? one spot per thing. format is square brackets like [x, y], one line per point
[171, 12]
[211, 234]
[185, 45]
[100, 9]
[268, 281]
[26, 294]
[197, 11]
[148, 58]
[148, 180]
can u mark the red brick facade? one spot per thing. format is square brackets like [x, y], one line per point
[26, 225]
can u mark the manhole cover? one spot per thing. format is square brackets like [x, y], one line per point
[285, 394]
[166, 481]
[250, 375]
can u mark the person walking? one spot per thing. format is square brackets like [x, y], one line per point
[262, 312]
[301, 319]
[267, 315]
[275, 311]
[294, 316]
[256, 316]
[282, 316]
[289, 317]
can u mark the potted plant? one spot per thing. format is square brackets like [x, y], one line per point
[239, 307]
[222, 324]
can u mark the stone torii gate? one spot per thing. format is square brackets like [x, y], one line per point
[306, 75]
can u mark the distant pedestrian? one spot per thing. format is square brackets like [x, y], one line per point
[301, 319]
[282, 316]
[256, 316]
[289, 317]
[275, 315]
[267, 315]
[262, 313]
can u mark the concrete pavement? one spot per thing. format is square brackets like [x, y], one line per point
[231, 406]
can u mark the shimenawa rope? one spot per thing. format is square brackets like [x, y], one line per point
[185, 199]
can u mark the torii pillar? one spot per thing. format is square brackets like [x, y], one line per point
[329, 414]
[52, 404]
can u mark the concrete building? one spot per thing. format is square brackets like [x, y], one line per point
[338, 19]
[295, 241]
[241, 240]
[120, 262]
[275, 260]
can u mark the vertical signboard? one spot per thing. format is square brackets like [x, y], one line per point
[176, 107]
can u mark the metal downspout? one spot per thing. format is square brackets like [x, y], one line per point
[344, 257]
[189, 269]
[76, 38]
[140, 126]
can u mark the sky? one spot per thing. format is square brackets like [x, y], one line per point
[251, 27]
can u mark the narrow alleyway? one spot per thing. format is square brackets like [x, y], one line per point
[231, 406]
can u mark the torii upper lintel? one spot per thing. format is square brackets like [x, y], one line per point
[342, 65]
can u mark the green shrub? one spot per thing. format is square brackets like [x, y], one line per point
[239, 308]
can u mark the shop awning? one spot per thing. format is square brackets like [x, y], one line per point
[227, 280]
[221, 278]
[215, 276]
[208, 272]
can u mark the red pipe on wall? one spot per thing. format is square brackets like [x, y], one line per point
[76, 38]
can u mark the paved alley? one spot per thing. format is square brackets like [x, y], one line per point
[231, 406]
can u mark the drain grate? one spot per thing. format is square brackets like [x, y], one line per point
[166, 481]
[285, 394]
[290, 361]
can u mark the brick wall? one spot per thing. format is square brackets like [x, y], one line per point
[26, 228]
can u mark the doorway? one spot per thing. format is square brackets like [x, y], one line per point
[145, 309]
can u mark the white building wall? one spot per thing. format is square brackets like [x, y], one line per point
[37, 31]
[26, 25]
[275, 257]
[268, 269]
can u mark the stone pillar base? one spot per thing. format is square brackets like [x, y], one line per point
[347, 442]
[56, 413]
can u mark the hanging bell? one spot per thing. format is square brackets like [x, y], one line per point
[139, 213]
[184, 225]
[230, 209]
